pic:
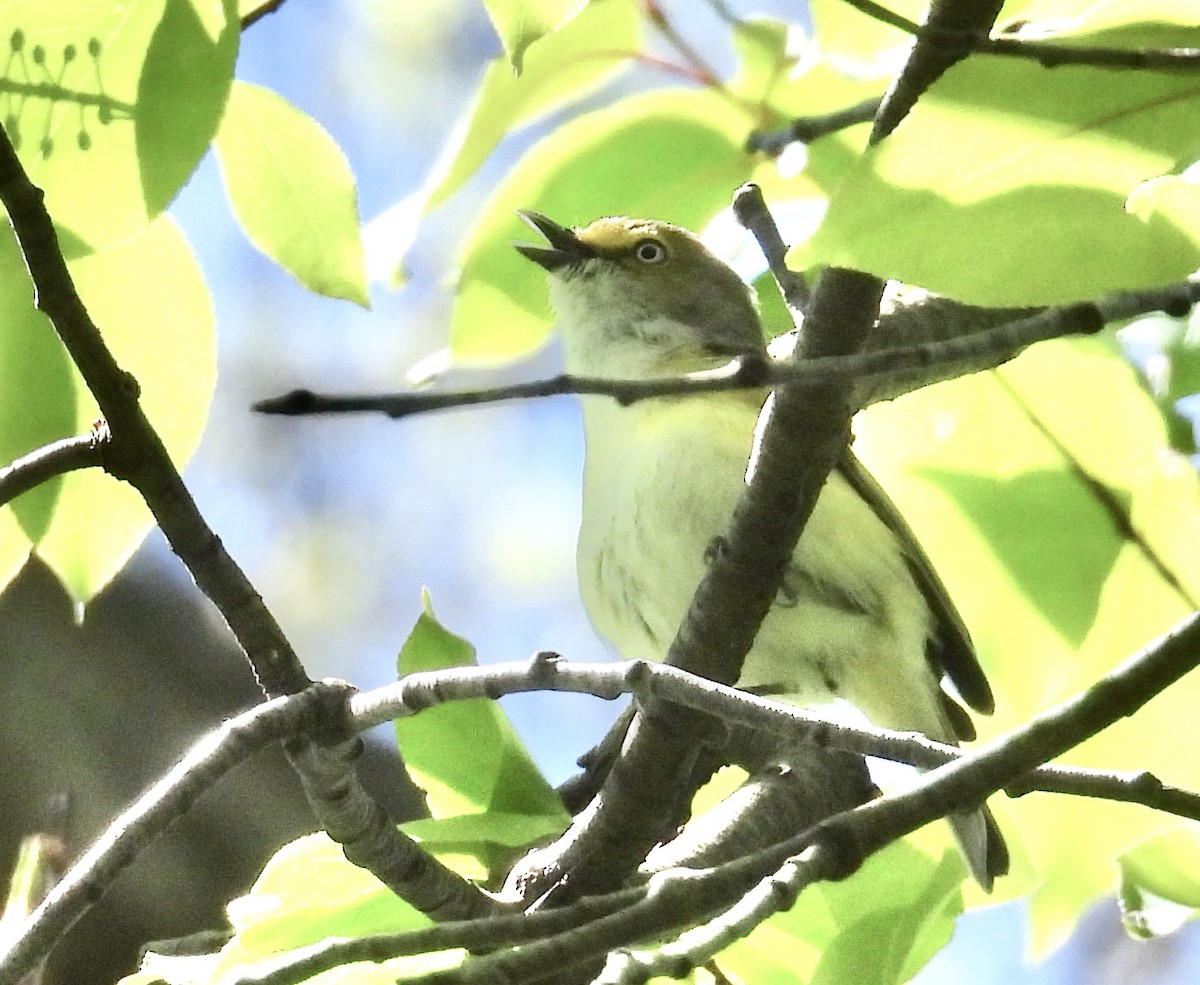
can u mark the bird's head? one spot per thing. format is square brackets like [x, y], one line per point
[638, 297]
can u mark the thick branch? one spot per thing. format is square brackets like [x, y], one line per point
[944, 41]
[741, 894]
[724, 893]
[147, 818]
[135, 452]
[1050, 54]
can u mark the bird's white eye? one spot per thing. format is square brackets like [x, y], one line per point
[650, 251]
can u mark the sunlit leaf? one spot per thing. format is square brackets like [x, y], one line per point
[465, 755]
[562, 68]
[139, 89]
[522, 22]
[35, 378]
[149, 299]
[881, 925]
[985, 469]
[293, 192]
[988, 189]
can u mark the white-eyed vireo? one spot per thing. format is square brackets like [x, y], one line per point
[863, 616]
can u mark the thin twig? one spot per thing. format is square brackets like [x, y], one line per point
[55, 459]
[650, 683]
[261, 11]
[724, 887]
[735, 897]
[135, 451]
[488, 934]
[1050, 54]
[988, 346]
[806, 129]
[658, 17]
[752, 212]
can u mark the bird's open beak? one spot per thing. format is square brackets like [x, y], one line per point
[564, 250]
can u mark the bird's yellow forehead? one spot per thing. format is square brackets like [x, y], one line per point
[617, 233]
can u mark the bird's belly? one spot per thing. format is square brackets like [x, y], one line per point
[851, 624]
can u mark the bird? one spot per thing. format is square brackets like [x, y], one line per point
[861, 615]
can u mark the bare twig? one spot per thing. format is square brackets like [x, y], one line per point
[720, 893]
[742, 894]
[488, 934]
[986, 348]
[58, 458]
[135, 452]
[948, 27]
[1050, 54]
[751, 211]
[658, 683]
[703, 72]
[261, 11]
[806, 129]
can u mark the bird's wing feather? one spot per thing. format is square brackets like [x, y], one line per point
[953, 651]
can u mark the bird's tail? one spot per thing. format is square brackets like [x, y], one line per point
[982, 845]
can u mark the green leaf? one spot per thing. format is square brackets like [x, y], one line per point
[182, 93]
[879, 926]
[522, 22]
[564, 67]
[1160, 881]
[14, 547]
[483, 847]
[1053, 595]
[139, 91]
[465, 755]
[1013, 180]
[763, 60]
[862, 45]
[293, 192]
[148, 297]
[307, 892]
[674, 155]
[39, 396]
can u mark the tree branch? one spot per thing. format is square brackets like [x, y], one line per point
[751, 210]
[148, 817]
[883, 372]
[744, 893]
[55, 459]
[660, 684]
[1049, 54]
[315, 719]
[259, 12]
[943, 41]
[136, 454]
[1011, 762]
[806, 129]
